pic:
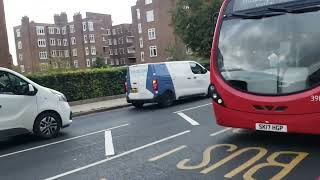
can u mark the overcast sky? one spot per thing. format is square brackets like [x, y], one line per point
[43, 10]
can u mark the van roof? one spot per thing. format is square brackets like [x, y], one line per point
[170, 62]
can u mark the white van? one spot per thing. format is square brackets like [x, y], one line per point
[164, 83]
[26, 107]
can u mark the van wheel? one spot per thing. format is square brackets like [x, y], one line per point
[167, 99]
[47, 125]
[137, 105]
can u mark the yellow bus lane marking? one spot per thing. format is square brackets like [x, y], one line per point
[156, 158]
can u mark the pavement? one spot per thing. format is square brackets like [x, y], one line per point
[179, 142]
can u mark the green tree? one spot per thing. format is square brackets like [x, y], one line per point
[99, 63]
[193, 22]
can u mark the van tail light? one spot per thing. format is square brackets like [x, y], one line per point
[126, 87]
[155, 85]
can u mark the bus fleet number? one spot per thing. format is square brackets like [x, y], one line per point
[315, 98]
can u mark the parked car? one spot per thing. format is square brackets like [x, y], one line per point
[166, 82]
[26, 107]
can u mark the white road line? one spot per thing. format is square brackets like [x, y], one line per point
[187, 118]
[109, 148]
[167, 153]
[117, 156]
[193, 108]
[62, 141]
[220, 132]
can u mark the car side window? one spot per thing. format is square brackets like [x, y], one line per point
[197, 69]
[12, 85]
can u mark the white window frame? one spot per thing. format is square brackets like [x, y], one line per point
[110, 42]
[115, 52]
[65, 42]
[64, 30]
[20, 57]
[84, 26]
[19, 45]
[90, 26]
[52, 42]
[73, 40]
[142, 56]
[148, 2]
[141, 42]
[88, 63]
[92, 38]
[76, 63]
[87, 51]
[131, 50]
[115, 42]
[150, 16]
[114, 31]
[42, 43]
[108, 32]
[51, 30]
[152, 34]
[138, 14]
[152, 52]
[59, 42]
[72, 30]
[66, 53]
[43, 55]
[93, 50]
[139, 28]
[18, 33]
[58, 31]
[85, 38]
[94, 61]
[75, 52]
[111, 52]
[53, 53]
[40, 30]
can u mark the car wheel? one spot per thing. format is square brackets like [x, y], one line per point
[167, 99]
[47, 125]
[137, 105]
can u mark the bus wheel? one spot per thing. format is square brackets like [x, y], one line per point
[167, 99]
[137, 105]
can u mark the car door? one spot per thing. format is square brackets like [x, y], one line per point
[17, 108]
[200, 77]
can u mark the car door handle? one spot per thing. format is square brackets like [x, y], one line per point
[194, 77]
[189, 78]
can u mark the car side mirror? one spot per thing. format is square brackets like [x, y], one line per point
[31, 88]
[204, 71]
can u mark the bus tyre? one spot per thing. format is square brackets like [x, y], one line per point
[167, 99]
[47, 125]
[137, 105]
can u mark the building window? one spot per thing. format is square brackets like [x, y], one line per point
[111, 52]
[64, 30]
[141, 42]
[148, 1]
[87, 51]
[18, 33]
[52, 42]
[84, 26]
[73, 40]
[19, 45]
[42, 43]
[51, 30]
[59, 42]
[142, 56]
[94, 61]
[93, 50]
[58, 31]
[129, 39]
[76, 63]
[138, 14]
[153, 51]
[150, 16]
[115, 51]
[85, 39]
[131, 50]
[66, 53]
[114, 42]
[122, 61]
[65, 42]
[91, 38]
[43, 55]
[60, 53]
[139, 28]
[108, 32]
[53, 53]
[152, 33]
[74, 52]
[90, 26]
[22, 68]
[111, 62]
[88, 63]
[40, 30]
[72, 30]
[117, 62]
[104, 39]
[120, 41]
[114, 32]
[110, 42]
[121, 51]
[20, 57]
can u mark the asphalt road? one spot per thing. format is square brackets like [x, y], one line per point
[180, 142]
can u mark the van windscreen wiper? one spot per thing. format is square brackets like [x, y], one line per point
[295, 10]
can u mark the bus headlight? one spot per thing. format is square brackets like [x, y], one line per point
[215, 95]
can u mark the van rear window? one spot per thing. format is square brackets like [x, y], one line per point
[240, 5]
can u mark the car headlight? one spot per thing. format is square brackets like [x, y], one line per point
[62, 97]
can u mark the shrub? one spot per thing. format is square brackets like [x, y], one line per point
[84, 84]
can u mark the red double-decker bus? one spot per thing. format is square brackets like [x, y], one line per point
[265, 65]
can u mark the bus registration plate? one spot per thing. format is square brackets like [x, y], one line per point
[271, 127]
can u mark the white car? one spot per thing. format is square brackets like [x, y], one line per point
[166, 82]
[26, 107]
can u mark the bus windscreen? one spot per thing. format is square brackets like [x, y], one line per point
[240, 5]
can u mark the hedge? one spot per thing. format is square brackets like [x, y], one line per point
[84, 84]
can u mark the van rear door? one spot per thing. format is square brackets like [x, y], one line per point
[137, 80]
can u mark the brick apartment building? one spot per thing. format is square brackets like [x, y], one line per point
[65, 44]
[122, 45]
[5, 57]
[155, 37]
